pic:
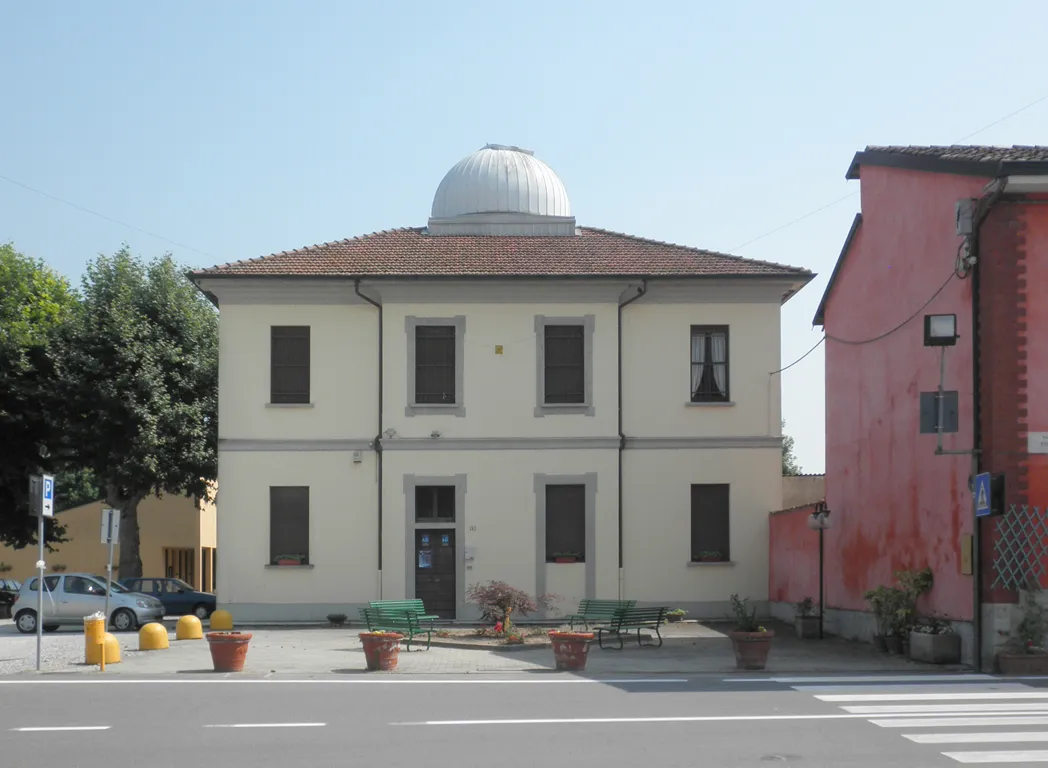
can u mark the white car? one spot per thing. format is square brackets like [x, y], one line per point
[69, 597]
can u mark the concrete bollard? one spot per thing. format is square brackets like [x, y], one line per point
[189, 628]
[221, 621]
[153, 637]
[111, 648]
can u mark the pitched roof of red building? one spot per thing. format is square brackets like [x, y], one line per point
[962, 159]
[411, 252]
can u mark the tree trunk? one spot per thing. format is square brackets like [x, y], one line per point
[130, 566]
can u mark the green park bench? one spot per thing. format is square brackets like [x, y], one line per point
[404, 622]
[597, 611]
[628, 619]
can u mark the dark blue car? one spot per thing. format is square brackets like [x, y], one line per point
[178, 597]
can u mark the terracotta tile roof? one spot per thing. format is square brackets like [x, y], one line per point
[413, 253]
[969, 160]
[969, 152]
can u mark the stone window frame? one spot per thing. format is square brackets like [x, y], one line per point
[542, 408]
[458, 408]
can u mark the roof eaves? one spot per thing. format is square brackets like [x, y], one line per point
[820, 313]
[930, 164]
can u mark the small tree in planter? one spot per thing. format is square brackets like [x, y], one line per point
[1025, 653]
[498, 601]
[750, 641]
[933, 641]
[807, 621]
[879, 601]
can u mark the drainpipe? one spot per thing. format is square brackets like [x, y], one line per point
[985, 204]
[622, 437]
[378, 437]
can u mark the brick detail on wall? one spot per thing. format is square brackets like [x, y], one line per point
[1002, 365]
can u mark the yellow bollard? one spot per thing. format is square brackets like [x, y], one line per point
[152, 637]
[110, 647]
[189, 628]
[221, 621]
[94, 630]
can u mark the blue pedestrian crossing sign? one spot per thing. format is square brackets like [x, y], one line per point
[982, 494]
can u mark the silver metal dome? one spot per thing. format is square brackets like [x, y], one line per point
[501, 185]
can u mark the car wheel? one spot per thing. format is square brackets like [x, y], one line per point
[51, 627]
[26, 622]
[201, 611]
[123, 620]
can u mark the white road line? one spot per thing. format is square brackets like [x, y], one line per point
[675, 719]
[540, 681]
[869, 679]
[935, 696]
[969, 721]
[268, 725]
[911, 687]
[1003, 756]
[63, 728]
[1016, 737]
[881, 709]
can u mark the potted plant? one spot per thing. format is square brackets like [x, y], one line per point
[677, 614]
[58, 568]
[289, 559]
[570, 649]
[566, 557]
[709, 556]
[381, 649]
[1025, 653]
[750, 641]
[337, 619]
[806, 621]
[228, 650]
[6, 567]
[934, 642]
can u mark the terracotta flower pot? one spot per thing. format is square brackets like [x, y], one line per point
[228, 650]
[381, 650]
[751, 648]
[570, 649]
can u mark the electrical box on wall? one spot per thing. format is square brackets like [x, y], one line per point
[965, 213]
[966, 554]
[470, 552]
[358, 457]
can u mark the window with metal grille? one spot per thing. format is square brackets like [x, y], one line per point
[710, 523]
[289, 524]
[435, 364]
[565, 523]
[565, 361]
[709, 363]
[289, 364]
[435, 503]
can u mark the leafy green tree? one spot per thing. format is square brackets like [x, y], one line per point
[138, 374]
[34, 303]
[789, 458]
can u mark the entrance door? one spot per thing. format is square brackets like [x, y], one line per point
[435, 571]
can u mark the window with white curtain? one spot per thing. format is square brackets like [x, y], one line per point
[709, 363]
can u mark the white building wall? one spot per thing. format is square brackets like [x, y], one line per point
[343, 535]
[499, 445]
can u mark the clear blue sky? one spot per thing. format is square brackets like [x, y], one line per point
[243, 128]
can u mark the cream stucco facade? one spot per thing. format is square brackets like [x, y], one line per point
[497, 443]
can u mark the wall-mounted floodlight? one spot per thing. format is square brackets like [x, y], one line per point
[940, 330]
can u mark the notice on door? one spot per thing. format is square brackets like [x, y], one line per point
[1037, 442]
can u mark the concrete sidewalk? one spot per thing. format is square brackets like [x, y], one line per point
[689, 649]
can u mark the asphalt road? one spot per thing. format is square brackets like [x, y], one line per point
[521, 720]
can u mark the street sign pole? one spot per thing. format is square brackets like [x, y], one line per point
[39, 589]
[110, 531]
[41, 504]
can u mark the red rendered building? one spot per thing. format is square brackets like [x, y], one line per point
[943, 230]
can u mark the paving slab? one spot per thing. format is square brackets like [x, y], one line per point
[689, 649]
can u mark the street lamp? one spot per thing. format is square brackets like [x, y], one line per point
[940, 330]
[819, 520]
